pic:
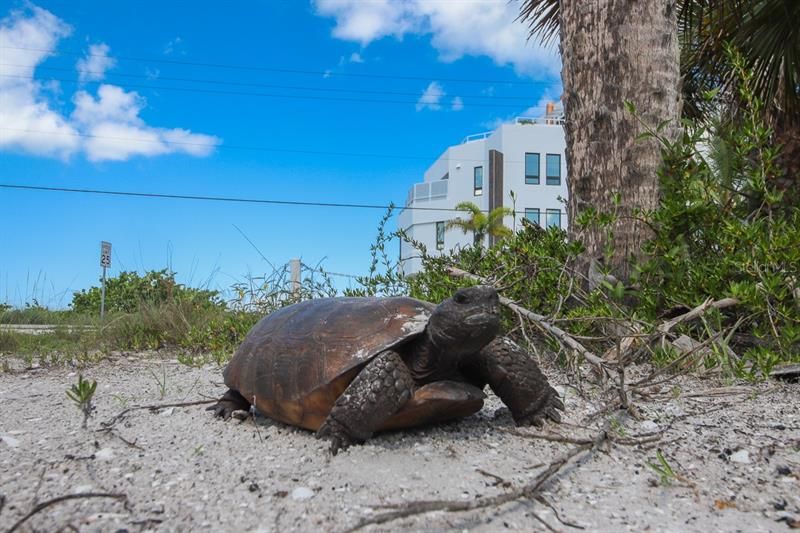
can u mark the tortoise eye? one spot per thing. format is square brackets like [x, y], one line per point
[460, 298]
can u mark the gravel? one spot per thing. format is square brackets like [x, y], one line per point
[731, 461]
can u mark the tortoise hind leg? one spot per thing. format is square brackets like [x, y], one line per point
[377, 392]
[231, 401]
[514, 376]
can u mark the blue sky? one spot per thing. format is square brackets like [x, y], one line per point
[335, 101]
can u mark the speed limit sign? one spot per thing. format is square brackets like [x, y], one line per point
[105, 254]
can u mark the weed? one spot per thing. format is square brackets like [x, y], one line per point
[617, 427]
[121, 400]
[161, 381]
[82, 393]
[665, 472]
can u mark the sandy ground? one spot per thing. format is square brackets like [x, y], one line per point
[734, 450]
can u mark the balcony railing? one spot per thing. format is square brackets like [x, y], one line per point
[433, 190]
[476, 137]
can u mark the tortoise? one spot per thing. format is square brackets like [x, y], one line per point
[349, 367]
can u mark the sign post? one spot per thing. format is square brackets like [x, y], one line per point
[105, 262]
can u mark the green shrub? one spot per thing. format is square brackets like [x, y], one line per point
[127, 291]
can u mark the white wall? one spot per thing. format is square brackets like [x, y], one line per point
[458, 161]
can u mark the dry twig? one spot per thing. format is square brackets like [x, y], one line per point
[48, 503]
[154, 407]
[530, 490]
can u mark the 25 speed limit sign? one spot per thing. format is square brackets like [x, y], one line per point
[105, 254]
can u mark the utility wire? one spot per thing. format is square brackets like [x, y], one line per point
[270, 69]
[271, 95]
[266, 85]
[254, 148]
[225, 198]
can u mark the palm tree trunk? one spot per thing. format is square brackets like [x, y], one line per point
[613, 51]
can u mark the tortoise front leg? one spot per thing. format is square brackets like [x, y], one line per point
[514, 376]
[378, 391]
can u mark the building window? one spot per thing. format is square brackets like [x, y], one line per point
[532, 169]
[553, 218]
[446, 176]
[553, 169]
[440, 235]
[478, 180]
[533, 215]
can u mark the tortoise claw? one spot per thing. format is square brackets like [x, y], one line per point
[337, 434]
[230, 403]
[549, 411]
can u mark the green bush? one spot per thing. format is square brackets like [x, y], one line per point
[127, 291]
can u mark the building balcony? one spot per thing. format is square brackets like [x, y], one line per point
[426, 191]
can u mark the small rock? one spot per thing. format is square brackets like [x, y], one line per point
[649, 425]
[10, 441]
[784, 470]
[742, 456]
[104, 454]
[302, 493]
[168, 412]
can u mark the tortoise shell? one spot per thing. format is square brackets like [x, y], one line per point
[295, 362]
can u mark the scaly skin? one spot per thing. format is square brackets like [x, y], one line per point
[514, 376]
[231, 401]
[378, 391]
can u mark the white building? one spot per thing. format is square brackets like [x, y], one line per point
[526, 157]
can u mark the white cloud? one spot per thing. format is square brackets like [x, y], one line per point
[175, 46]
[552, 95]
[27, 38]
[355, 57]
[457, 29]
[457, 104]
[93, 67]
[116, 132]
[106, 127]
[431, 97]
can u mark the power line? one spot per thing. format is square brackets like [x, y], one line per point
[272, 69]
[254, 148]
[270, 95]
[267, 85]
[224, 198]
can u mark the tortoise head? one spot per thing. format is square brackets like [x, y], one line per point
[466, 322]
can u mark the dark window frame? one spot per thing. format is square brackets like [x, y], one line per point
[531, 179]
[538, 212]
[552, 179]
[477, 190]
[549, 213]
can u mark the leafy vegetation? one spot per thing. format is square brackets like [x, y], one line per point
[82, 393]
[128, 291]
[481, 224]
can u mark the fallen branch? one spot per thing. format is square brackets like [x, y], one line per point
[48, 503]
[698, 311]
[530, 490]
[540, 320]
[154, 407]
[633, 440]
